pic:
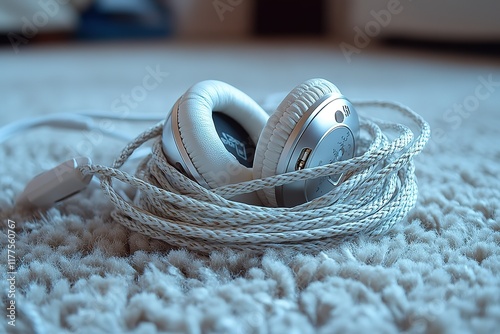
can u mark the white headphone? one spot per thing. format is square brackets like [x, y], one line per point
[217, 135]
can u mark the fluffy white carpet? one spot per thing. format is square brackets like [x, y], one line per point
[78, 271]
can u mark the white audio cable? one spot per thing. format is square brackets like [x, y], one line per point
[378, 193]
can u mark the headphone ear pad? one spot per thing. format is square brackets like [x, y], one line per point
[279, 127]
[213, 163]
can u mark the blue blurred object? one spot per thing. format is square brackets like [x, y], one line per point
[124, 19]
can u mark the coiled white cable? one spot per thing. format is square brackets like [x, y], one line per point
[380, 190]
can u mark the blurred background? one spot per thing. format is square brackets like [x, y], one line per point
[457, 24]
[141, 55]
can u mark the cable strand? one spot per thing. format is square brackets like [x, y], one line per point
[378, 190]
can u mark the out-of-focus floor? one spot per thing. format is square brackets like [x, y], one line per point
[41, 79]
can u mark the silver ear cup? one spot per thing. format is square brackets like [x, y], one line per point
[326, 133]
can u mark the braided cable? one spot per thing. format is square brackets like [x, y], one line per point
[379, 191]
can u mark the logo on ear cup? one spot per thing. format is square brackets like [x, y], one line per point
[235, 139]
[234, 143]
[346, 110]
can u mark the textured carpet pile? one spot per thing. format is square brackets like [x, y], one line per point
[438, 271]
